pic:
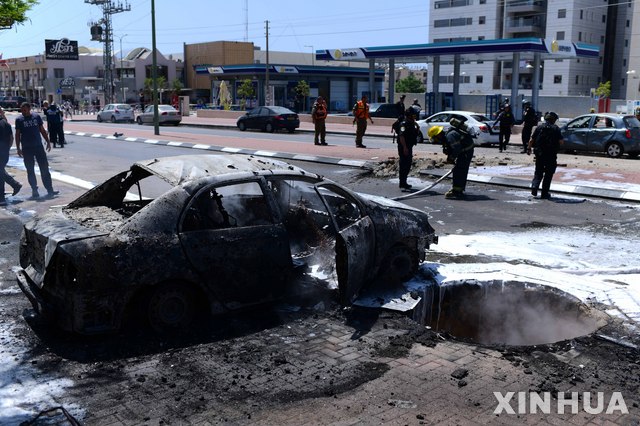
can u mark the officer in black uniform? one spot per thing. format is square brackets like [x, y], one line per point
[529, 121]
[407, 139]
[545, 141]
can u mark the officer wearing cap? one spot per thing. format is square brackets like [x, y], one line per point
[457, 144]
[545, 141]
[407, 139]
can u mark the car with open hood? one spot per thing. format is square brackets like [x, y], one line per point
[175, 238]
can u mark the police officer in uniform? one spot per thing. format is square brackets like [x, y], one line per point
[319, 118]
[505, 120]
[407, 139]
[457, 144]
[54, 123]
[545, 142]
[530, 120]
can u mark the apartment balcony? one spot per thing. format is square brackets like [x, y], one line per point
[525, 6]
[519, 25]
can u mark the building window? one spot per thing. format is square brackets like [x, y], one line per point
[627, 24]
[479, 79]
[560, 35]
[601, 39]
[581, 14]
[626, 43]
[624, 63]
[482, 19]
[443, 4]
[483, 1]
[557, 79]
[480, 37]
[604, 18]
[58, 73]
[577, 79]
[579, 35]
[562, 13]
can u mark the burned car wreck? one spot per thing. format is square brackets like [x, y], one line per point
[177, 237]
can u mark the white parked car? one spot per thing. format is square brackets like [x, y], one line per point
[166, 115]
[116, 112]
[485, 134]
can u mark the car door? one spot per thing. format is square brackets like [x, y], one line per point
[355, 242]
[576, 133]
[255, 118]
[232, 237]
[603, 130]
[147, 115]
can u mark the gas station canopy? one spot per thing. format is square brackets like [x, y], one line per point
[479, 50]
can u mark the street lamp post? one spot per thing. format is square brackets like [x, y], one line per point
[122, 75]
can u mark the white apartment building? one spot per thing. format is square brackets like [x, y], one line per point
[604, 23]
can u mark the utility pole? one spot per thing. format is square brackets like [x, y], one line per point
[102, 31]
[267, 95]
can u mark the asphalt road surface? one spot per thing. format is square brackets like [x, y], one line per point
[275, 366]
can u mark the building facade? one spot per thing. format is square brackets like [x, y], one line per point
[607, 24]
[37, 78]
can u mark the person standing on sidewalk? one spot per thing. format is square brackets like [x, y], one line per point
[506, 121]
[319, 117]
[29, 133]
[545, 141]
[361, 114]
[54, 123]
[529, 121]
[6, 140]
[407, 139]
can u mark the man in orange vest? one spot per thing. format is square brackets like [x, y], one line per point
[319, 116]
[361, 114]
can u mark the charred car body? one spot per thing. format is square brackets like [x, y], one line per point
[224, 232]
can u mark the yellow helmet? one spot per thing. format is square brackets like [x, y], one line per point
[434, 131]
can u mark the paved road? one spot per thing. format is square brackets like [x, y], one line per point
[314, 366]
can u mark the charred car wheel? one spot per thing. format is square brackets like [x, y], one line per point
[171, 308]
[401, 263]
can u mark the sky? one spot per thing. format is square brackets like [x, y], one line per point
[295, 26]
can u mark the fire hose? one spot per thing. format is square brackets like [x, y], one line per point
[423, 190]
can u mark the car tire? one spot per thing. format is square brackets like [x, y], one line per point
[139, 120]
[400, 264]
[291, 130]
[614, 150]
[113, 118]
[99, 118]
[171, 308]
[633, 154]
[242, 126]
[268, 128]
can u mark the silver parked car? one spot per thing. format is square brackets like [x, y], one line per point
[116, 112]
[480, 124]
[166, 115]
[612, 134]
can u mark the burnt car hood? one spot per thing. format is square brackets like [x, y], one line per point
[53, 228]
[179, 169]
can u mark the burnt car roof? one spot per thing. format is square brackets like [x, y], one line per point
[184, 168]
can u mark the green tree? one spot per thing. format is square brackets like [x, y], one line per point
[302, 90]
[246, 90]
[176, 86]
[604, 90]
[409, 84]
[14, 12]
[161, 83]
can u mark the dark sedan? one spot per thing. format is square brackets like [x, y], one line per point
[269, 118]
[174, 239]
[611, 134]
